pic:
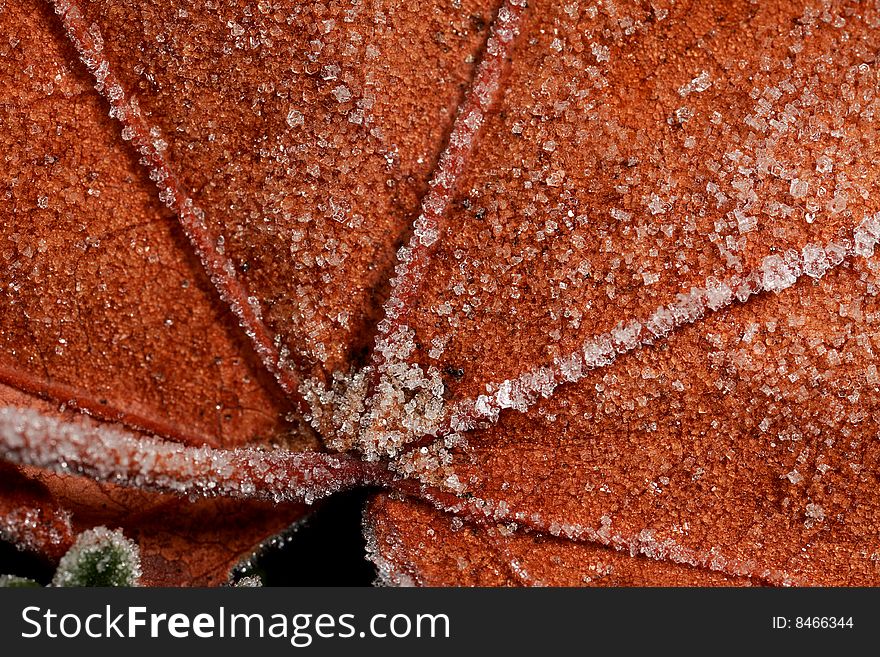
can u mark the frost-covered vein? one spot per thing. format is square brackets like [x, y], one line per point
[414, 257]
[89, 44]
[515, 567]
[646, 543]
[777, 273]
[388, 371]
[382, 555]
[114, 455]
[425, 415]
[83, 401]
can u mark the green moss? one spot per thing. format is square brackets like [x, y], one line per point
[100, 557]
[16, 582]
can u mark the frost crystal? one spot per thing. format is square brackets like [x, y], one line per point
[295, 118]
[249, 581]
[699, 84]
[342, 94]
[777, 274]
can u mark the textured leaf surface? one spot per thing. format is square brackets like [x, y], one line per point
[306, 134]
[103, 308]
[621, 193]
[29, 518]
[743, 443]
[630, 337]
[182, 543]
[414, 544]
[643, 167]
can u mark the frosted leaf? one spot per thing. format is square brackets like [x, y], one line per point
[777, 274]
[543, 286]
[278, 153]
[652, 226]
[413, 544]
[40, 530]
[72, 336]
[408, 400]
[112, 454]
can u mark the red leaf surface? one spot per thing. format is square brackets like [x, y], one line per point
[29, 517]
[182, 543]
[103, 308]
[657, 246]
[305, 135]
[414, 544]
[597, 281]
[742, 443]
